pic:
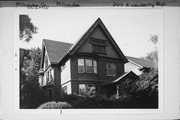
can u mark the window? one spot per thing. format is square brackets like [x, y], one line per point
[87, 89]
[95, 66]
[98, 45]
[87, 66]
[99, 49]
[81, 66]
[51, 74]
[111, 69]
[47, 76]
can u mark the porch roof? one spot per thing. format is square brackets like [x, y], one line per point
[129, 74]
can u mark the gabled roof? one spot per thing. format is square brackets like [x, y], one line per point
[56, 50]
[129, 74]
[97, 23]
[141, 62]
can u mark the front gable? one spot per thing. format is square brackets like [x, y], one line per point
[98, 36]
[45, 61]
[95, 39]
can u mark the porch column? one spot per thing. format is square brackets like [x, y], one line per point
[117, 90]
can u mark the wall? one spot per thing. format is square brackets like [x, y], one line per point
[99, 34]
[131, 67]
[91, 78]
[69, 89]
[66, 72]
[102, 68]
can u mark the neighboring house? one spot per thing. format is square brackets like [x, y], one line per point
[138, 65]
[94, 63]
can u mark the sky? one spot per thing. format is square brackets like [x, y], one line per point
[131, 28]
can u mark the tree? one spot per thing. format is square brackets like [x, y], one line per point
[154, 54]
[26, 28]
[145, 89]
[30, 94]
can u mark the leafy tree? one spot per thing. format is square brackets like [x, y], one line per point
[26, 28]
[145, 89]
[154, 54]
[30, 94]
[142, 92]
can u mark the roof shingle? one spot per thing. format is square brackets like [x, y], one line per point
[56, 50]
[142, 62]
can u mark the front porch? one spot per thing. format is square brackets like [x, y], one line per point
[114, 86]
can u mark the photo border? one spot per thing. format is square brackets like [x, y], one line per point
[120, 111]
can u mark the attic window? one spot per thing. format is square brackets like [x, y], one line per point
[98, 49]
[98, 45]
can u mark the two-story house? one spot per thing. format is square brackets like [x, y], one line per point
[94, 63]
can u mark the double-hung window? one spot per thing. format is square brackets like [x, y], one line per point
[111, 69]
[89, 66]
[81, 66]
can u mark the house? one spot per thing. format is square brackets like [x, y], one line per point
[94, 63]
[138, 65]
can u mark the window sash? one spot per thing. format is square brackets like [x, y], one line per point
[89, 66]
[81, 66]
[95, 66]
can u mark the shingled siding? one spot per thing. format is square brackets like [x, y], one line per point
[102, 74]
[92, 78]
[101, 69]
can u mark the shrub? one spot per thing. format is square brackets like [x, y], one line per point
[54, 105]
[71, 98]
[93, 102]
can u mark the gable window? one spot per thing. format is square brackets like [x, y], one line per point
[111, 69]
[87, 66]
[99, 49]
[98, 45]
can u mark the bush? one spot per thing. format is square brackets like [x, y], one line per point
[71, 98]
[93, 102]
[54, 105]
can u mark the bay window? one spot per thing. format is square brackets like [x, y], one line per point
[87, 66]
